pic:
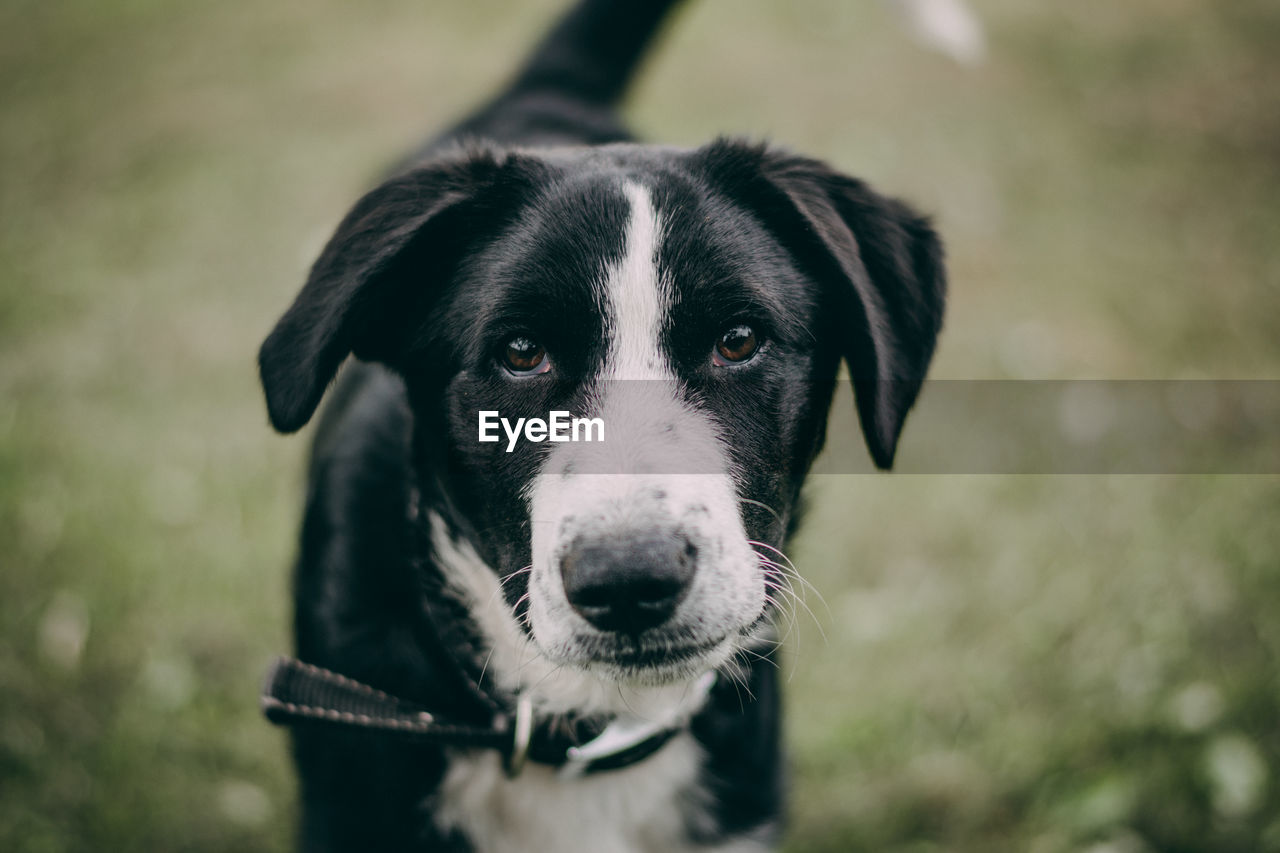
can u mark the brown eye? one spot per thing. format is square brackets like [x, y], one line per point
[525, 356]
[737, 344]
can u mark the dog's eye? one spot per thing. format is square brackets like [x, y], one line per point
[525, 357]
[737, 344]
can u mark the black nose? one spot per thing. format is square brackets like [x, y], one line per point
[628, 583]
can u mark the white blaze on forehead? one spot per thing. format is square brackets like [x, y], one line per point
[663, 467]
[637, 297]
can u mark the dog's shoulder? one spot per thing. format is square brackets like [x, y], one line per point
[356, 532]
[365, 425]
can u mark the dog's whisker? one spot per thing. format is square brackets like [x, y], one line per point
[515, 609]
[737, 678]
[787, 568]
[789, 575]
[790, 570]
[782, 584]
[769, 547]
[525, 570]
[786, 614]
[485, 668]
[763, 506]
[796, 603]
[790, 618]
[553, 672]
[759, 657]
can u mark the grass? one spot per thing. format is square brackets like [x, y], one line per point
[1022, 663]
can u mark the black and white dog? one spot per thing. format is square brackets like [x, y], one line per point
[556, 645]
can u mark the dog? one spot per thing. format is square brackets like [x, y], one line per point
[508, 639]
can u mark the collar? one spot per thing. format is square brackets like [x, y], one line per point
[296, 692]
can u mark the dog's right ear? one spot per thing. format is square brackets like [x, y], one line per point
[390, 257]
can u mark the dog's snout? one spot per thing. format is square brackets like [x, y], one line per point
[627, 584]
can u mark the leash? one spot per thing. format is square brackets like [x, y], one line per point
[296, 692]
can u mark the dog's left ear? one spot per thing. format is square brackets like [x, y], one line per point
[879, 261]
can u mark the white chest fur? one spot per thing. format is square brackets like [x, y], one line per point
[645, 807]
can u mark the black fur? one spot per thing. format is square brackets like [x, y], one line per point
[477, 240]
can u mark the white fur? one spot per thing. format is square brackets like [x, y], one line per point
[638, 299]
[638, 808]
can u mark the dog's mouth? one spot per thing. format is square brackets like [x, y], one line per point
[657, 659]
[660, 657]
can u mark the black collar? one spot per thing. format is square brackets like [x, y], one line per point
[297, 693]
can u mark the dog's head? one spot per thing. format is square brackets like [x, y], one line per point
[698, 303]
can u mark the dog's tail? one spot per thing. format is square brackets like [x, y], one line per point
[567, 90]
[593, 51]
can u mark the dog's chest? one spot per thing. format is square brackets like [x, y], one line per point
[645, 807]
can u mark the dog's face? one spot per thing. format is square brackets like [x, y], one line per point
[686, 330]
[696, 303]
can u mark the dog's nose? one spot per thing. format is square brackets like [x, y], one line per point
[627, 583]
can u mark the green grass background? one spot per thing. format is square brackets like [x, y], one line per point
[1021, 663]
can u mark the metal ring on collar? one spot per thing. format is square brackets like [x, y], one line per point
[522, 733]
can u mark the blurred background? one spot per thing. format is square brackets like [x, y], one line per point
[996, 663]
